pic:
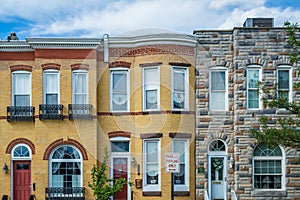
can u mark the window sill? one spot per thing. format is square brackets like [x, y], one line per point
[268, 193]
[158, 193]
[182, 193]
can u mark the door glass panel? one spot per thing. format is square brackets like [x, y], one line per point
[217, 165]
[22, 166]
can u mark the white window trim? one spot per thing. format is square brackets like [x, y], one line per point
[283, 164]
[184, 187]
[13, 86]
[111, 88]
[151, 187]
[157, 87]
[254, 67]
[186, 89]
[219, 69]
[64, 160]
[73, 84]
[49, 71]
[21, 158]
[286, 67]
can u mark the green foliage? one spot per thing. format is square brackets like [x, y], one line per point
[103, 186]
[287, 129]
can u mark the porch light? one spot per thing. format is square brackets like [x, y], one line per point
[231, 162]
[5, 168]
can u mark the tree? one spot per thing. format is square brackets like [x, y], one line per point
[287, 133]
[103, 186]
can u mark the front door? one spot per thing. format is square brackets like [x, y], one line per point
[218, 177]
[21, 177]
[120, 171]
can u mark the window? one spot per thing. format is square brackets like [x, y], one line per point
[151, 161]
[119, 90]
[21, 83]
[180, 88]
[268, 168]
[80, 87]
[151, 88]
[284, 84]
[253, 79]
[218, 90]
[21, 152]
[181, 178]
[51, 87]
[65, 167]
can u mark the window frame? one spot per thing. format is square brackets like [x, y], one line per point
[50, 161]
[156, 187]
[146, 87]
[111, 72]
[249, 68]
[14, 74]
[218, 69]
[290, 89]
[51, 71]
[268, 158]
[22, 157]
[186, 88]
[74, 73]
[184, 187]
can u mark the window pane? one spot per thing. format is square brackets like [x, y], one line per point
[80, 98]
[51, 99]
[151, 151]
[218, 81]
[22, 100]
[120, 146]
[179, 147]
[283, 79]
[179, 79]
[253, 78]
[253, 99]
[151, 99]
[21, 151]
[217, 100]
[178, 100]
[151, 76]
[179, 177]
[152, 174]
[51, 82]
[21, 83]
[119, 82]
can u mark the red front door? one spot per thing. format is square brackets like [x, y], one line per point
[120, 171]
[22, 180]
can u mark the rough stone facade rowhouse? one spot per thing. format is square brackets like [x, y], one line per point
[229, 65]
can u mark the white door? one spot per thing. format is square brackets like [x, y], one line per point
[217, 177]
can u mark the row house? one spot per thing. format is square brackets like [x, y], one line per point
[65, 100]
[230, 65]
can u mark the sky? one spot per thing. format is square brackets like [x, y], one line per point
[94, 18]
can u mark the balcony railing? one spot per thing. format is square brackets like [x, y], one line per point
[20, 113]
[51, 111]
[80, 111]
[65, 193]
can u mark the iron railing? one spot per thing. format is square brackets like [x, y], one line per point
[20, 113]
[51, 111]
[80, 111]
[65, 193]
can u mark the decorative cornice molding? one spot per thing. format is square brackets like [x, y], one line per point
[21, 68]
[51, 66]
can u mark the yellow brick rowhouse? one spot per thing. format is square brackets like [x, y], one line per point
[64, 100]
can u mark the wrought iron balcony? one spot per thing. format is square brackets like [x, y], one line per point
[65, 193]
[20, 113]
[51, 111]
[80, 111]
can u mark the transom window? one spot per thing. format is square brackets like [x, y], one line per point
[253, 79]
[65, 167]
[217, 145]
[218, 89]
[268, 168]
[21, 152]
[119, 88]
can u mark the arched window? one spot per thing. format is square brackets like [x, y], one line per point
[21, 152]
[65, 167]
[268, 167]
[217, 145]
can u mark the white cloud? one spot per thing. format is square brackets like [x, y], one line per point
[93, 18]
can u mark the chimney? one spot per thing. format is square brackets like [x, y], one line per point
[13, 36]
[259, 22]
